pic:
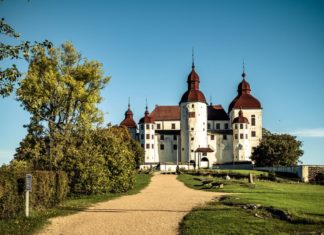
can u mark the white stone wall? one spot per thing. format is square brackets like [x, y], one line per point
[254, 141]
[168, 154]
[167, 125]
[241, 146]
[212, 125]
[222, 147]
[149, 143]
[193, 129]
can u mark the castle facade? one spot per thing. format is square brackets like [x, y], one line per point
[197, 132]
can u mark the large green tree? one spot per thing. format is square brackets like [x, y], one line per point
[277, 150]
[61, 92]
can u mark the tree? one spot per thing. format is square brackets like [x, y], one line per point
[61, 92]
[277, 150]
[9, 76]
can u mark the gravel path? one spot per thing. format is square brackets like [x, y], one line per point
[157, 209]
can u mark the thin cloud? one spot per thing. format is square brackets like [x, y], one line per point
[314, 133]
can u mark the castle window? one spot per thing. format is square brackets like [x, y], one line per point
[147, 126]
[175, 147]
[192, 150]
[204, 154]
[174, 137]
[241, 126]
[192, 128]
[241, 136]
[226, 126]
[161, 137]
[208, 126]
[142, 145]
[235, 126]
[152, 137]
[147, 146]
[142, 127]
[246, 126]
[192, 114]
[236, 136]
[224, 137]
[192, 105]
[253, 133]
[147, 136]
[162, 146]
[192, 138]
[158, 126]
[173, 126]
[152, 127]
[217, 126]
[142, 136]
[212, 137]
[253, 120]
[246, 136]
[152, 146]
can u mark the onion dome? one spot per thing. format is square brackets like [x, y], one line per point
[128, 120]
[240, 118]
[193, 94]
[244, 99]
[147, 117]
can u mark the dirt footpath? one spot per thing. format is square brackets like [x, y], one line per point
[157, 209]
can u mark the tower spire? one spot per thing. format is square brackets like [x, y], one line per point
[243, 74]
[193, 59]
[128, 102]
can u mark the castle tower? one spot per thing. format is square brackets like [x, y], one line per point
[252, 109]
[147, 137]
[241, 144]
[193, 118]
[129, 122]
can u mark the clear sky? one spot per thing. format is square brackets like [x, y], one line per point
[145, 46]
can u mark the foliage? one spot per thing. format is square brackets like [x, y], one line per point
[10, 75]
[277, 150]
[48, 188]
[137, 152]
[114, 144]
[61, 92]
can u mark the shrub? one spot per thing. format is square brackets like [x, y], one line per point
[11, 203]
[48, 189]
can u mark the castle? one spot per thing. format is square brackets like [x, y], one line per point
[197, 132]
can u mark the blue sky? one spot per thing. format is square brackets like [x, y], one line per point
[145, 46]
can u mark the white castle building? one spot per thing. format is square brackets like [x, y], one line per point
[197, 132]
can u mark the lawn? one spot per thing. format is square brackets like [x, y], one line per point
[302, 202]
[37, 219]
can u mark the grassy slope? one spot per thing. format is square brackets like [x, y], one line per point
[303, 201]
[37, 219]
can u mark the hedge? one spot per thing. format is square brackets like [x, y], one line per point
[48, 189]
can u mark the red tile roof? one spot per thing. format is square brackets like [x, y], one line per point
[193, 94]
[128, 120]
[216, 112]
[147, 117]
[244, 99]
[240, 118]
[166, 113]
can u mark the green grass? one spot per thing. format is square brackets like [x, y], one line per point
[304, 202]
[23, 226]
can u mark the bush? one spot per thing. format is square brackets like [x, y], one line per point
[11, 203]
[48, 189]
